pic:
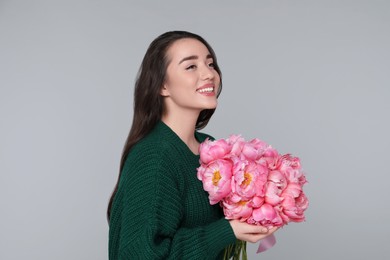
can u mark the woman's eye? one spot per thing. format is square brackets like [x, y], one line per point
[212, 65]
[191, 67]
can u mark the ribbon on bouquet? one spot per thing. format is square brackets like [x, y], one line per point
[266, 243]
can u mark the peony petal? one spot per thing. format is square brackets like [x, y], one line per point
[272, 194]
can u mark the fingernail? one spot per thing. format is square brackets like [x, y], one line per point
[264, 230]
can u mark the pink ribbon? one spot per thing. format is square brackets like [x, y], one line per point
[266, 243]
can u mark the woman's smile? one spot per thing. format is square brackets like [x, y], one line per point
[207, 90]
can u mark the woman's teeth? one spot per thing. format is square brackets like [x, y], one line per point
[204, 90]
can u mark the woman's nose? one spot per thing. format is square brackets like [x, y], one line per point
[207, 72]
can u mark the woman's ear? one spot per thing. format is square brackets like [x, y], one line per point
[164, 91]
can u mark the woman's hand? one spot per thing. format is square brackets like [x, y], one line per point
[251, 233]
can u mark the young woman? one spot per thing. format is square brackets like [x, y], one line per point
[159, 209]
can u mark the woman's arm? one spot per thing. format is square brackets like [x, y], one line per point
[146, 218]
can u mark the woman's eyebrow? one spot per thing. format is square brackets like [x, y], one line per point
[194, 57]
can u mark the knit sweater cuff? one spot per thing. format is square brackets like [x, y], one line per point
[221, 235]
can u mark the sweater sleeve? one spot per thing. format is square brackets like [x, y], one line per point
[150, 218]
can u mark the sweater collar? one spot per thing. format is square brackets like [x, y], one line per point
[168, 132]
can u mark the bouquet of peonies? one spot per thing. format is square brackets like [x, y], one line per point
[253, 183]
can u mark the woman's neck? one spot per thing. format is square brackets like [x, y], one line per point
[184, 126]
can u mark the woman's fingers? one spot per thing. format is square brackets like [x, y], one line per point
[272, 230]
[256, 229]
[250, 233]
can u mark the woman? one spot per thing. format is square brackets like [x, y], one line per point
[159, 209]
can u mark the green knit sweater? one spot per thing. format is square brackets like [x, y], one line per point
[161, 210]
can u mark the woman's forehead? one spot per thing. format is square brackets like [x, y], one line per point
[187, 47]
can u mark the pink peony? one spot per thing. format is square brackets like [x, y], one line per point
[259, 145]
[236, 210]
[266, 215]
[270, 158]
[291, 168]
[212, 150]
[216, 178]
[237, 143]
[272, 194]
[254, 149]
[294, 203]
[249, 181]
[278, 178]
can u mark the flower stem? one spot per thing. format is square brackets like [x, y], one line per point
[236, 251]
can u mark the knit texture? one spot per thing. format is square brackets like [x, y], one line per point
[160, 210]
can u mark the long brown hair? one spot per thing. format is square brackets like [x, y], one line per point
[148, 103]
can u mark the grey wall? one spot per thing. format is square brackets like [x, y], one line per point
[308, 77]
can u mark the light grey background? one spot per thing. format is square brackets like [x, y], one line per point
[308, 77]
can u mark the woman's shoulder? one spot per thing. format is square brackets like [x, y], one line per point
[149, 148]
[153, 150]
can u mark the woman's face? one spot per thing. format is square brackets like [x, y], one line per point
[191, 82]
